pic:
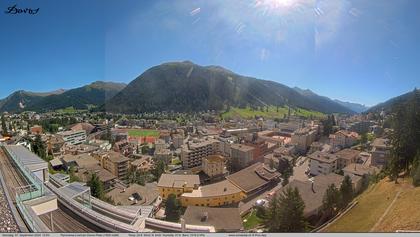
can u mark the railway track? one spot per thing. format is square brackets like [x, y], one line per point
[63, 215]
[11, 175]
[64, 220]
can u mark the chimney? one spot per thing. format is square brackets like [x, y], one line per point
[183, 228]
[204, 217]
[312, 186]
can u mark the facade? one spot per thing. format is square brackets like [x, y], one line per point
[303, 138]
[194, 152]
[74, 137]
[346, 157]
[322, 163]
[55, 145]
[213, 195]
[177, 140]
[241, 155]
[177, 184]
[213, 165]
[36, 129]
[117, 164]
[343, 139]
[381, 152]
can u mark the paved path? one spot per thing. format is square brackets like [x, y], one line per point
[386, 211]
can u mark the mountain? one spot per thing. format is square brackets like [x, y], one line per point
[396, 101]
[358, 108]
[94, 94]
[324, 102]
[185, 86]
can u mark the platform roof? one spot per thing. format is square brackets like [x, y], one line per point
[74, 189]
[27, 158]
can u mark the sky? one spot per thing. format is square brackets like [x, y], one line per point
[357, 51]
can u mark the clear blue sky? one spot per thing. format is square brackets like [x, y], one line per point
[358, 51]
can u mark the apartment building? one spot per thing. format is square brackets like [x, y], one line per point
[381, 152]
[214, 165]
[241, 156]
[117, 164]
[73, 137]
[303, 138]
[194, 152]
[343, 139]
[177, 140]
[322, 163]
[346, 157]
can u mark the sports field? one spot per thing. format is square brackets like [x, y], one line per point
[143, 133]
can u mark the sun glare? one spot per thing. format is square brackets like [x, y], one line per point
[273, 4]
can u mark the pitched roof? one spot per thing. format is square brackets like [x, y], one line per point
[323, 157]
[347, 154]
[178, 180]
[313, 197]
[251, 178]
[216, 189]
[222, 219]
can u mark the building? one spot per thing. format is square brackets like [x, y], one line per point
[177, 140]
[194, 152]
[312, 193]
[381, 152]
[213, 166]
[177, 184]
[278, 160]
[160, 145]
[346, 157]
[213, 195]
[55, 145]
[361, 126]
[322, 163]
[73, 137]
[222, 219]
[87, 127]
[303, 138]
[241, 156]
[36, 129]
[117, 164]
[144, 163]
[343, 139]
[254, 179]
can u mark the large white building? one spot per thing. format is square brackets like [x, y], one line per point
[74, 137]
[322, 163]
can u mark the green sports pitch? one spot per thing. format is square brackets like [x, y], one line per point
[143, 133]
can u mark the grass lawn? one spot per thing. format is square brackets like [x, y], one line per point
[252, 220]
[271, 113]
[143, 133]
[374, 202]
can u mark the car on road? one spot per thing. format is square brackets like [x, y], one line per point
[260, 202]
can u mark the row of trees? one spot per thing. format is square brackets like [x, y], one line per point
[405, 139]
[285, 212]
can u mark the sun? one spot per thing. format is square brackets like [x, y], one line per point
[275, 4]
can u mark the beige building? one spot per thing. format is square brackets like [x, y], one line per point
[194, 152]
[241, 156]
[303, 138]
[177, 184]
[346, 157]
[381, 152]
[116, 163]
[213, 165]
[177, 140]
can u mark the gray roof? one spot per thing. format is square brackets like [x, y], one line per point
[323, 157]
[178, 180]
[222, 219]
[26, 157]
[313, 198]
[74, 189]
[251, 178]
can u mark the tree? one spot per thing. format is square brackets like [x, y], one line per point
[158, 169]
[3, 125]
[38, 147]
[286, 172]
[173, 208]
[285, 212]
[331, 201]
[96, 187]
[346, 191]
